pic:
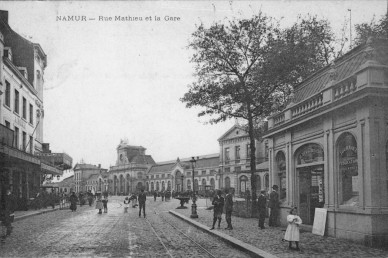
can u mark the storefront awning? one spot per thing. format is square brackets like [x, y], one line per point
[18, 154]
[48, 169]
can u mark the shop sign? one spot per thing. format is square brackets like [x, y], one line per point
[348, 163]
[320, 190]
[311, 153]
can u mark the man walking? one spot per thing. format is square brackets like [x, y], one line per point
[142, 200]
[262, 206]
[228, 209]
[274, 206]
[218, 203]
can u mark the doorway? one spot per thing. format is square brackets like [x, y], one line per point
[311, 192]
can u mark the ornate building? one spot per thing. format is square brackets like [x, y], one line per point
[329, 147]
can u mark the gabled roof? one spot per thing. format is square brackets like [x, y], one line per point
[234, 127]
[93, 177]
[143, 159]
[86, 166]
[162, 168]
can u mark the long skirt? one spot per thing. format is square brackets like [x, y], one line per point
[292, 233]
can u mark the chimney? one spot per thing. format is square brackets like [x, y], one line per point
[99, 165]
[4, 16]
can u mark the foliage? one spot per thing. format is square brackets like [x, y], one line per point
[376, 29]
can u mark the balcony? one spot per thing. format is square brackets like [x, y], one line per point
[59, 160]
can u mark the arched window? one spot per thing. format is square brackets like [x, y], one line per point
[163, 186]
[213, 183]
[281, 172]
[147, 186]
[227, 182]
[309, 153]
[258, 183]
[348, 169]
[188, 184]
[152, 186]
[243, 184]
[195, 185]
[203, 186]
[157, 186]
[169, 185]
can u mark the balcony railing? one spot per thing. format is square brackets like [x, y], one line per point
[307, 106]
[344, 88]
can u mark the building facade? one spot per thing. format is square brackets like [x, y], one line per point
[329, 147]
[22, 65]
[86, 176]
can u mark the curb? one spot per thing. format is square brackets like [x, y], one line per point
[17, 218]
[251, 250]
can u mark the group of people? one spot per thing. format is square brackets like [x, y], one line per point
[219, 203]
[293, 220]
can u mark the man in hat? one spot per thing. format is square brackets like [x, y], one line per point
[228, 209]
[218, 203]
[274, 206]
[262, 206]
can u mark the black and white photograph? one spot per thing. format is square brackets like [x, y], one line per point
[194, 128]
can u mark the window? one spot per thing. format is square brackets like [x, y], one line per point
[31, 114]
[16, 137]
[227, 157]
[24, 108]
[348, 169]
[16, 102]
[227, 170]
[237, 154]
[24, 139]
[7, 124]
[248, 151]
[7, 94]
[237, 169]
[188, 184]
[266, 150]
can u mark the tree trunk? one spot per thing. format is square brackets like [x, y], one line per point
[253, 158]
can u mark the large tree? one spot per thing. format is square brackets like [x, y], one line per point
[376, 29]
[246, 68]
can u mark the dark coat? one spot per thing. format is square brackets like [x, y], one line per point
[218, 203]
[273, 200]
[262, 203]
[142, 198]
[228, 203]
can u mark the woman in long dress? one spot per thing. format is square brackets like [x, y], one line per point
[99, 205]
[292, 232]
[73, 202]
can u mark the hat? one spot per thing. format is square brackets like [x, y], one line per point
[262, 191]
[275, 187]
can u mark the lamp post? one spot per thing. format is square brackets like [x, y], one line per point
[182, 183]
[194, 205]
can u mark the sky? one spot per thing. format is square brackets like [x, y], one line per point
[111, 80]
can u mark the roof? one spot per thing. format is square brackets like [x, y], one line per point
[162, 168]
[205, 161]
[344, 67]
[93, 177]
[86, 166]
[142, 159]
[236, 126]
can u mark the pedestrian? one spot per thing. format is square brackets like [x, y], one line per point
[162, 194]
[155, 195]
[274, 206]
[105, 203]
[292, 232]
[142, 200]
[134, 200]
[99, 204]
[228, 209]
[73, 202]
[262, 207]
[218, 202]
[8, 207]
[126, 204]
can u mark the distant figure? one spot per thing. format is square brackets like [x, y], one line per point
[134, 200]
[292, 232]
[105, 203]
[73, 202]
[99, 205]
[8, 206]
[228, 209]
[155, 195]
[218, 203]
[126, 204]
[262, 207]
[162, 194]
[274, 206]
[142, 200]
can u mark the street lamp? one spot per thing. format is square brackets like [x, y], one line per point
[193, 206]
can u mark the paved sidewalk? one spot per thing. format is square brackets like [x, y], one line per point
[269, 240]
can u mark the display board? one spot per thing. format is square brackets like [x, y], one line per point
[319, 221]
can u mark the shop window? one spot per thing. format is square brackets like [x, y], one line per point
[348, 169]
[281, 169]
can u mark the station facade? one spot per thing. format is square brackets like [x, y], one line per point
[329, 147]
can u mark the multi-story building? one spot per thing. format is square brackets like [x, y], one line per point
[86, 176]
[22, 65]
[234, 161]
[329, 148]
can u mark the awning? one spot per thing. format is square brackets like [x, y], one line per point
[18, 154]
[48, 169]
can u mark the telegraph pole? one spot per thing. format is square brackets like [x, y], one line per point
[350, 28]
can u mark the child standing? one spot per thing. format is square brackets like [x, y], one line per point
[292, 232]
[126, 204]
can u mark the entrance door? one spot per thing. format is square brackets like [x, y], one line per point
[311, 192]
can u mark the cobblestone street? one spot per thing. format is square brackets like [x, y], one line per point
[85, 233]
